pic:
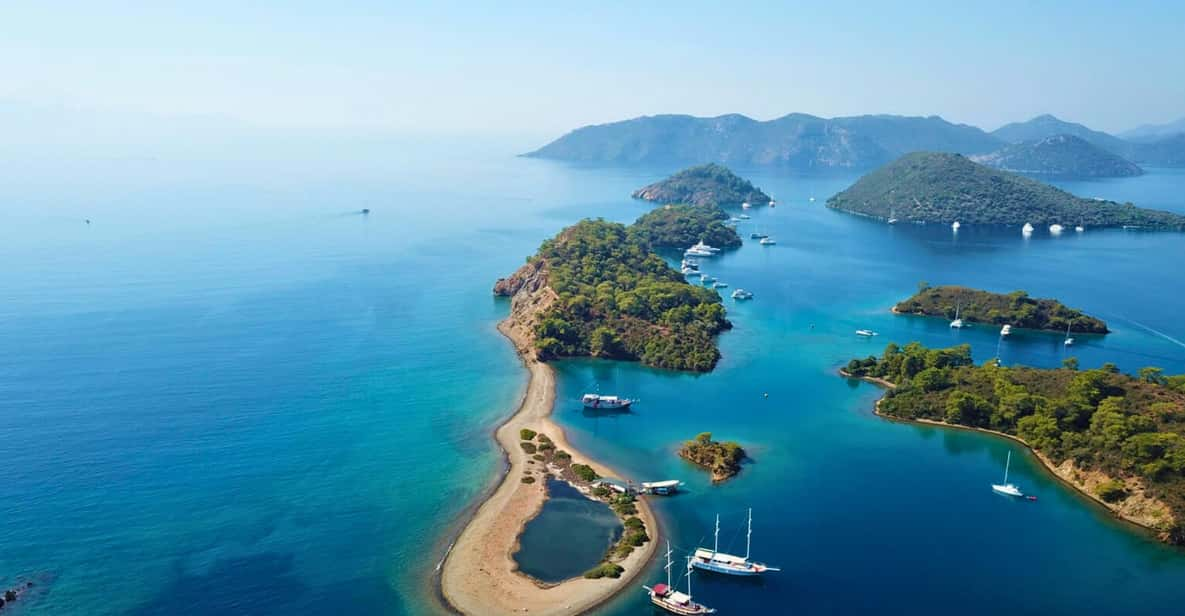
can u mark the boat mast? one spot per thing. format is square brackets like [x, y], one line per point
[689, 579]
[1006, 465]
[668, 567]
[716, 543]
[749, 535]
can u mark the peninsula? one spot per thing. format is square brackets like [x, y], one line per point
[1116, 438]
[709, 184]
[479, 576]
[1064, 156]
[599, 290]
[723, 459]
[1016, 309]
[929, 187]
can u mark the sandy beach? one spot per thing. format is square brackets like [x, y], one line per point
[480, 575]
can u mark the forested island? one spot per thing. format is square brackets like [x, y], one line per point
[680, 226]
[709, 184]
[1116, 437]
[1015, 308]
[1064, 156]
[929, 187]
[598, 289]
[723, 459]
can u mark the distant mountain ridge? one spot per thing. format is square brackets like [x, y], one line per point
[798, 141]
[1154, 132]
[810, 143]
[938, 187]
[1060, 156]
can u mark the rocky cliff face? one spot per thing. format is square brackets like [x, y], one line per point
[530, 296]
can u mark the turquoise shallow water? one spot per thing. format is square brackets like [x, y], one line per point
[231, 393]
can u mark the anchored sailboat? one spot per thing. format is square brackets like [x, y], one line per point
[715, 560]
[1069, 341]
[671, 600]
[1007, 488]
[957, 323]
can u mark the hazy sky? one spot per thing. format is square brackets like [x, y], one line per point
[542, 68]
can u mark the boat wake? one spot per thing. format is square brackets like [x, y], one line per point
[1155, 331]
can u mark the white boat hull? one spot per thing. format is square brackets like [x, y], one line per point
[1007, 489]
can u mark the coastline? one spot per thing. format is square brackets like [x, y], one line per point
[1050, 467]
[479, 575]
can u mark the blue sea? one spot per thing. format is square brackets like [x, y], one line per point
[231, 392]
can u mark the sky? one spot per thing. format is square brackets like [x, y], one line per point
[543, 68]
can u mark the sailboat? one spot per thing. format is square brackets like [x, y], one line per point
[957, 323]
[1069, 341]
[715, 560]
[671, 600]
[892, 217]
[1007, 488]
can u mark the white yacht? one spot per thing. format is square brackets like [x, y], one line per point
[892, 217]
[1080, 228]
[1006, 488]
[1006, 330]
[720, 285]
[706, 279]
[745, 205]
[741, 294]
[597, 401]
[955, 225]
[1069, 341]
[1027, 229]
[868, 333]
[729, 564]
[1056, 229]
[768, 241]
[957, 323]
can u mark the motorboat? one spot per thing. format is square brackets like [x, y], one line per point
[1006, 330]
[866, 333]
[1056, 229]
[741, 294]
[768, 241]
[955, 225]
[597, 401]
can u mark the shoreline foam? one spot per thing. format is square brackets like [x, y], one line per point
[480, 575]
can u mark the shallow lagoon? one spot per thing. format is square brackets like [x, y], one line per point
[569, 536]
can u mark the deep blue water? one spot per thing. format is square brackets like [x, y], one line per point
[232, 393]
[569, 536]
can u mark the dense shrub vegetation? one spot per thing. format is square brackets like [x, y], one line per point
[722, 458]
[680, 226]
[943, 188]
[1103, 420]
[617, 299]
[1016, 308]
[709, 184]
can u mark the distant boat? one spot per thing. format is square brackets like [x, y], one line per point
[957, 323]
[772, 203]
[892, 217]
[741, 294]
[1027, 229]
[745, 205]
[1056, 229]
[1080, 228]
[1007, 488]
[812, 199]
[1006, 330]
[729, 564]
[690, 264]
[744, 217]
[768, 241]
[661, 488]
[865, 332]
[365, 210]
[757, 236]
[1069, 341]
[597, 401]
[955, 225]
[706, 279]
[666, 597]
[720, 285]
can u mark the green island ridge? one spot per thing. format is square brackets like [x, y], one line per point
[709, 184]
[544, 455]
[931, 187]
[1117, 438]
[1063, 156]
[680, 226]
[723, 459]
[598, 289]
[1015, 308]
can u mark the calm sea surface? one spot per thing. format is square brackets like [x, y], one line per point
[233, 393]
